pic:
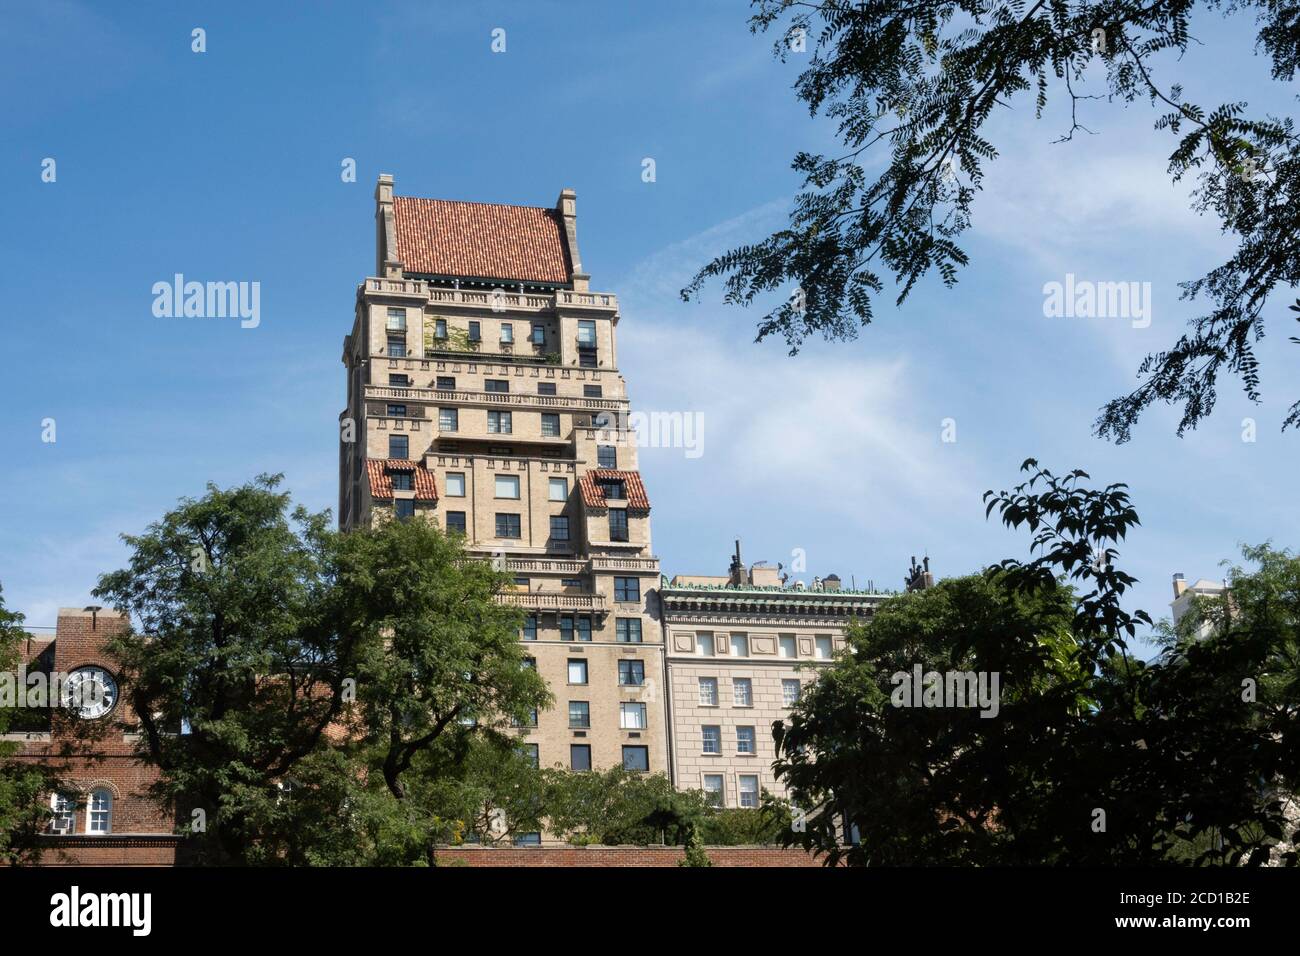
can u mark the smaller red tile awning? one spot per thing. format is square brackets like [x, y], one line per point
[593, 496]
[381, 482]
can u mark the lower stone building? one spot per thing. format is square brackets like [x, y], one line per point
[103, 816]
[738, 650]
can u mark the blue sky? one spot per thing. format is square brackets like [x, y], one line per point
[225, 166]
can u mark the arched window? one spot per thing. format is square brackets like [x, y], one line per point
[63, 807]
[99, 812]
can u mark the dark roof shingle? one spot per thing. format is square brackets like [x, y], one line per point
[481, 240]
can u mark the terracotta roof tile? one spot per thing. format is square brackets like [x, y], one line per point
[381, 484]
[594, 497]
[481, 240]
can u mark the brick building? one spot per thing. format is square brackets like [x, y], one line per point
[103, 816]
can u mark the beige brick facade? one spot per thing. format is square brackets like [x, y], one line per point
[506, 390]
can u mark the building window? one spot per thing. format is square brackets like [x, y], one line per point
[584, 627]
[507, 486]
[613, 488]
[530, 632]
[566, 627]
[742, 692]
[606, 456]
[708, 692]
[439, 328]
[475, 333]
[396, 411]
[748, 790]
[586, 334]
[550, 425]
[396, 346]
[455, 484]
[399, 446]
[591, 391]
[545, 388]
[496, 385]
[508, 526]
[627, 589]
[570, 582]
[455, 522]
[713, 789]
[745, 740]
[711, 739]
[539, 334]
[521, 581]
[628, 630]
[618, 524]
[397, 320]
[579, 713]
[507, 333]
[530, 753]
[631, 673]
[528, 839]
[739, 645]
[636, 758]
[402, 480]
[559, 528]
[631, 715]
[789, 691]
[704, 644]
[400, 381]
[447, 383]
[577, 671]
[448, 420]
[64, 810]
[404, 508]
[824, 649]
[99, 812]
[499, 423]
[557, 489]
[579, 756]
[789, 646]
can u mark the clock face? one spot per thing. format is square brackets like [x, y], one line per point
[90, 691]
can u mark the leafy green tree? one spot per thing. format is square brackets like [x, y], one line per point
[617, 806]
[24, 786]
[912, 87]
[1091, 756]
[315, 696]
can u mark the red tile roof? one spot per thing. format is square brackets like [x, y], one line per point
[381, 484]
[481, 240]
[594, 497]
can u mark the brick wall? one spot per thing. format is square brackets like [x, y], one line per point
[618, 856]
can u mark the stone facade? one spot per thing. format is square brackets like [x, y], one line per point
[490, 377]
[738, 651]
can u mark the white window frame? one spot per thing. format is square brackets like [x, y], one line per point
[786, 700]
[740, 789]
[508, 479]
[721, 791]
[95, 807]
[706, 682]
[748, 684]
[64, 808]
[753, 737]
[704, 739]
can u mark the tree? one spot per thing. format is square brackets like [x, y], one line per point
[1085, 754]
[24, 786]
[309, 691]
[922, 80]
[617, 806]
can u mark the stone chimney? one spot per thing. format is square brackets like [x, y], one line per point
[1180, 585]
[831, 582]
[386, 261]
[567, 207]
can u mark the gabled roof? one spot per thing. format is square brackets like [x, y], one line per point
[594, 497]
[481, 240]
[381, 482]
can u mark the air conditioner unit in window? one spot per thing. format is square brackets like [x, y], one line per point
[60, 830]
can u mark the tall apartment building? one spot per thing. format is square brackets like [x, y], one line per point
[739, 649]
[484, 394]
